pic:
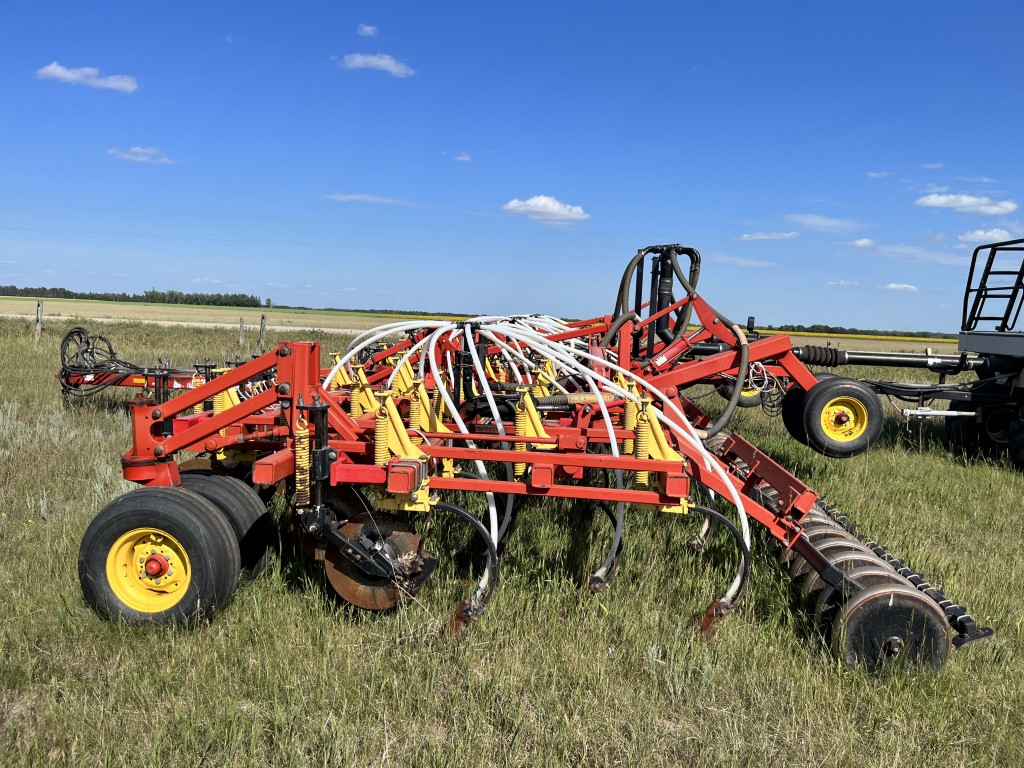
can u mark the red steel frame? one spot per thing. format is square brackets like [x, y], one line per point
[265, 424]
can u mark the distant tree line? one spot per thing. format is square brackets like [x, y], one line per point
[840, 330]
[151, 296]
[398, 312]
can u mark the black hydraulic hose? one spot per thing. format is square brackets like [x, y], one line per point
[600, 579]
[724, 607]
[477, 602]
[509, 519]
[737, 392]
[622, 297]
[616, 325]
[689, 284]
[82, 354]
[598, 583]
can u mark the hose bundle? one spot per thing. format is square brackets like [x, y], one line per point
[523, 341]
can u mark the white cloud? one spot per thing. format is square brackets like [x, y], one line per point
[463, 157]
[823, 223]
[769, 236]
[382, 62]
[366, 30]
[901, 287]
[994, 235]
[739, 261]
[363, 198]
[879, 174]
[149, 155]
[968, 204]
[864, 242]
[546, 208]
[978, 179]
[933, 188]
[229, 39]
[843, 283]
[931, 166]
[89, 76]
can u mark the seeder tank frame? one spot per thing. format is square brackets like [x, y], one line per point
[984, 416]
[510, 408]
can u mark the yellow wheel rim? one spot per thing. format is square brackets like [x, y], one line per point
[148, 570]
[844, 419]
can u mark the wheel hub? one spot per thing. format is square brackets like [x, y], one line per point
[148, 570]
[156, 566]
[844, 419]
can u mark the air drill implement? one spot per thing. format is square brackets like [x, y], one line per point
[508, 408]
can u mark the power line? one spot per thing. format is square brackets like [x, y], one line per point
[236, 217]
[411, 249]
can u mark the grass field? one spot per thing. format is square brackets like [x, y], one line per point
[549, 676]
[58, 310]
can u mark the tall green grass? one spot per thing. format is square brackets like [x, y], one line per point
[551, 675]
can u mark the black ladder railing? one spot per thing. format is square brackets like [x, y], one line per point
[998, 293]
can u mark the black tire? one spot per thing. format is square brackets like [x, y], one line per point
[793, 413]
[1015, 440]
[793, 409]
[842, 417]
[749, 398]
[963, 433]
[199, 558]
[252, 523]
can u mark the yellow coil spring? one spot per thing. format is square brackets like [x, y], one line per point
[519, 468]
[537, 390]
[435, 402]
[197, 381]
[381, 438]
[629, 424]
[355, 405]
[416, 416]
[302, 463]
[641, 450]
[221, 402]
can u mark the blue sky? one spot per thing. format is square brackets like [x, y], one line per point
[834, 163]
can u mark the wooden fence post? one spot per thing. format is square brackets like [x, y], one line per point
[263, 330]
[39, 318]
[241, 331]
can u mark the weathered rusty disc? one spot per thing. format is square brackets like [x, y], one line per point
[360, 589]
[198, 463]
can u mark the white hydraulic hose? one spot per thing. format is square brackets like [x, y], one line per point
[450, 404]
[684, 429]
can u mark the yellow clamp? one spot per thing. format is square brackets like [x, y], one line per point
[392, 439]
[651, 443]
[341, 378]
